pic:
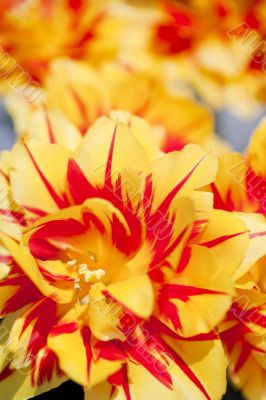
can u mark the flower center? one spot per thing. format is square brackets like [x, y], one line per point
[86, 274]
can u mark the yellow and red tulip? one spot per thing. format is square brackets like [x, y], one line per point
[121, 258]
[240, 188]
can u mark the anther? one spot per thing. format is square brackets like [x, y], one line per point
[100, 273]
[77, 284]
[85, 300]
[71, 263]
[92, 276]
[83, 268]
[88, 276]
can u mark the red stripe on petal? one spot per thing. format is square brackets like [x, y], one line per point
[47, 367]
[59, 229]
[64, 328]
[44, 307]
[26, 293]
[221, 239]
[170, 312]
[89, 218]
[184, 260]
[15, 216]
[148, 196]
[253, 316]
[49, 127]
[156, 325]
[218, 202]
[86, 336]
[61, 203]
[258, 350]
[54, 277]
[4, 175]
[7, 371]
[109, 350]
[171, 248]
[5, 259]
[183, 292]
[81, 108]
[108, 170]
[185, 368]
[245, 353]
[120, 378]
[75, 4]
[43, 250]
[167, 201]
[197, 228]
[36, 211]
[80, 187]
[256, 234]
[152, 364]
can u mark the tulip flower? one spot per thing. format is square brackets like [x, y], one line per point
[119, 271]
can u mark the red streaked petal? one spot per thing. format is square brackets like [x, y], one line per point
[108, 170]
[47, 366]
[26, 293]
[185, 368]
[245, 353]
[60, 202]
[49, 127]
[183, 292]
[86, 336]
[221, 239]
[120, 378]
[43, 250]
[80, 187]
[60, 329]
[169, 198]
[59, 229]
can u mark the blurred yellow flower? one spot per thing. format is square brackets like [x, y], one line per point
[34, 32]
[216, 46]
[82, 93]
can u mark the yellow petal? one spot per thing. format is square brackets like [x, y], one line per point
[136, 294]
[201, 312]
[188, 169]
[28, 264]
[257, 148]
[104, 315]
[92, 155]
[256, 224]
[226, 236]
[73, 363]
[18, 385]
[52, 126]
[141, 130]
[35, 181]
[84, 91]
[205, 359]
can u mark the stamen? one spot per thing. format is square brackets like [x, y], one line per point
[89, 276]
[92, 276]
[77, 285]
[71, 263]
[85, 300]
[100, 273]
[83, 268]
